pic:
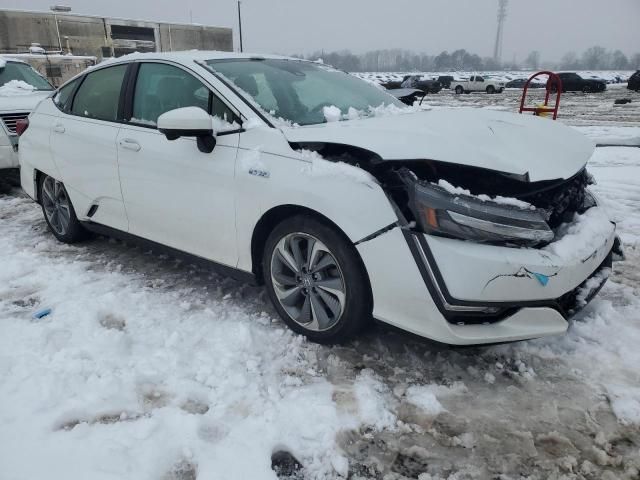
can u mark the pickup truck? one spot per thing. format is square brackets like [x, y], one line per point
[476, 83]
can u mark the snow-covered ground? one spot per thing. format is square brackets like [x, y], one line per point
[148, 368]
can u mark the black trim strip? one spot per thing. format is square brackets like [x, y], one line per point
[377, 233]
[226, 270]
[125, 110]
[441, 296]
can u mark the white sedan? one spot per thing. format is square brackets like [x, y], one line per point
[347, 205]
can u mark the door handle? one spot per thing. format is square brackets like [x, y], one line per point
[59, 128]
[130, 144]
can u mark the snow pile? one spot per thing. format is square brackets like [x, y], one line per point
[331, 113]
[585, 292]
[625, 402]
[135, 375]
[426, 397]
[576, 240]
[514, 202]
[319, 167]
[16, 87]
[222, 125]
[373, 397]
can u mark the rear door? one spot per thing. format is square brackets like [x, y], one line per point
[175, 194]
[83, 145]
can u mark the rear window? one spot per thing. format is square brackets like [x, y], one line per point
[63, 96]
[99, 95]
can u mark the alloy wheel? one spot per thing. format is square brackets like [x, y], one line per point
[56, 205]
[308, 281]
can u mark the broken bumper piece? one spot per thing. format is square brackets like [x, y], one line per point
[463, 293]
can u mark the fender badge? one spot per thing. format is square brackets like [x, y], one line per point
[259, 173]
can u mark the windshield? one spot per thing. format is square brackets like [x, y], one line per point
[23, 72]
[298, 91]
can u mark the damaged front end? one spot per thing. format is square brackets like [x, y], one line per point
[452, 216]
[487, 207]
[471, 203]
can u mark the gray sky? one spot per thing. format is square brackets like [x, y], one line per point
[301, 26]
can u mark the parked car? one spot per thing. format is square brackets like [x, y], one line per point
[421, 83]
[476, 83]
[572, 82]
[408, 96]
[520, 82]
[634, 82]
[345, 204]
[445, 80]
[21, 88]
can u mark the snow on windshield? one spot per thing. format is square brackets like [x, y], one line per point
[18, 71]
[298, 91]
[16, 87]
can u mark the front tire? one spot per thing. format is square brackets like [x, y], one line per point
[316, 281]
[58, 211]
[491, 89]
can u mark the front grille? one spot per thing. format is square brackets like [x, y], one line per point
[563, 201]
[10, 119]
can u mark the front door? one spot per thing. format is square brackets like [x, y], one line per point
[174, 194]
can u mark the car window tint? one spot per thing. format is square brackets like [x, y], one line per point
[161, 87]
[61, 98]
[99, 94]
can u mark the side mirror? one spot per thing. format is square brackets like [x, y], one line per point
[189, 122]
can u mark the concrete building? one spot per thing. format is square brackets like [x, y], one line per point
[103, 37]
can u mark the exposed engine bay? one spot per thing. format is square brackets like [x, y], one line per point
[473, 211]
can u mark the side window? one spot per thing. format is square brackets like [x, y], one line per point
[99, 95]
[479, 79]
[219, 109]
[61, 99]
[160, 88]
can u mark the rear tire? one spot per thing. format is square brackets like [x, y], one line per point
[459, 90]
[58, 211]
[316, 281]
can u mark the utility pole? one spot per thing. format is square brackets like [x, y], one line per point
[502, 15]
[240, 25]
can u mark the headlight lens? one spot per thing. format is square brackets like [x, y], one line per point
[467, 217]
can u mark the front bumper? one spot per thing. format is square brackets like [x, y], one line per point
[8, 150]
[464, 293]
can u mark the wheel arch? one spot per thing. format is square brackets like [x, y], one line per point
[273, 217]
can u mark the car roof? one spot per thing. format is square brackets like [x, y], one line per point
[9, 58]
[189, 56]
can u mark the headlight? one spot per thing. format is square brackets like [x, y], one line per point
[467, 217]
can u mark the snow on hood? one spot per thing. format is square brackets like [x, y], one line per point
[505, 142]
[18, 95]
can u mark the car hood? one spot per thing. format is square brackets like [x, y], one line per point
[24, 102]
[533, 147]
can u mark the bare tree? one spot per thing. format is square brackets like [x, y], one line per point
[595, 58]
[533, 60]
[619, 60]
